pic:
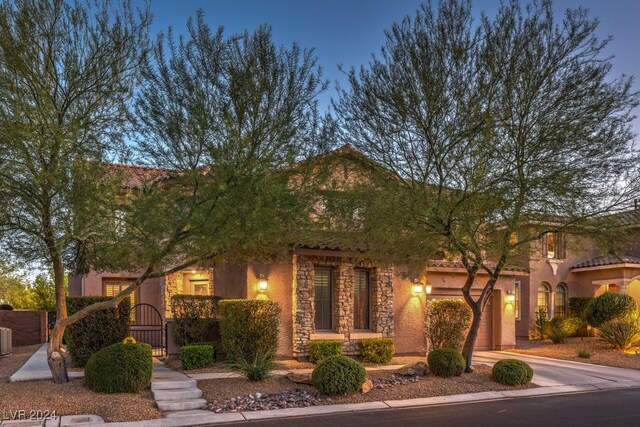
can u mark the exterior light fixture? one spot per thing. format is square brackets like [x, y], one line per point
[429, 288]
[263, 283]
[417, 287]
[510, 297]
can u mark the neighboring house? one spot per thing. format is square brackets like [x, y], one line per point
[326, 292]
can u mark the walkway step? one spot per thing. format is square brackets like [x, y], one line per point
[181, 405]
[172, 385]
[191, 413]
[177, 394]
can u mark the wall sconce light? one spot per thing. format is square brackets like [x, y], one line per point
[263, 283]
[510, 297]
[417, 287]
[429, 288]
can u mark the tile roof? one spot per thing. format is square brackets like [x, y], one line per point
[608, 260]
[443, 263]
[134, 176]
[630, 217]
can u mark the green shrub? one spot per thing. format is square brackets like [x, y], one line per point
[578, 305]
[560, 328]
[249, 330]
[194, 317]
[255, 369]
[445, 362]
[96, 331]
[511, 372]
[320, 350]
[197, 356]
[542, 324]
[583, 353]
[120, 368]
[609, 306]
[338, 375]
[621, 333]
[376, 350]
[447, 322]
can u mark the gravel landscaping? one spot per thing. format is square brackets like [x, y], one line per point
[9, 365]
[239, 394]
[73, 399]
[601, 353]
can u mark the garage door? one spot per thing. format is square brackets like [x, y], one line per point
[484, 341]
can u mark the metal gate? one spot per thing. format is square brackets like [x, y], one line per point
[147, 327]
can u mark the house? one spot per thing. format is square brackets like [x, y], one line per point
[328, 292]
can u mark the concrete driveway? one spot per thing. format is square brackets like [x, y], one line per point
[553, 372]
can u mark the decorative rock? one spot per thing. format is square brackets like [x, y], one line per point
[419, 369]
[288, 399]
[367, 386]
[300, 378]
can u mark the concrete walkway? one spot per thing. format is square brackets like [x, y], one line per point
[37, 368]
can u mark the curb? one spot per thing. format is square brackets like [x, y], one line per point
[485, 396]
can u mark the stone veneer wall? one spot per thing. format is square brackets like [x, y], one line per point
[343, 297]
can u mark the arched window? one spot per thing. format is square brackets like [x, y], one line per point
[543, 297]
[560, 301]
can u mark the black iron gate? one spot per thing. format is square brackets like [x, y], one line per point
[147, 327]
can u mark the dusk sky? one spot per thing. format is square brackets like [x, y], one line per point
[347, 32]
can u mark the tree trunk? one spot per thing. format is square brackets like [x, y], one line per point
[56, 353]
[470, 341]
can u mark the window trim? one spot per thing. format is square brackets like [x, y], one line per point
[547, 298]
[369, 301]
[331, 299]
[202, 281]
[565, 292]
[517, 291]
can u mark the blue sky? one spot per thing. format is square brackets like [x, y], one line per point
[347, 32]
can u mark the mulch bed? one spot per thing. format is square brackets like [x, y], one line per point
[9, 365]
[74, 398]
[601, 353]
[239, 394]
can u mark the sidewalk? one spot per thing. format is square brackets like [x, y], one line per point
[37, 368]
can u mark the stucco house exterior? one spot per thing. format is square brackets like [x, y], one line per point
[326, 292]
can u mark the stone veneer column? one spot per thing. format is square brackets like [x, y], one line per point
[172, 286]
[383, 300]
[303, 309]
[343, 302]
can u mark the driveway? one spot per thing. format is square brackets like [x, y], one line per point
[554, 372]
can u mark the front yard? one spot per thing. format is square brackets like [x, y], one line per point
[601, 353]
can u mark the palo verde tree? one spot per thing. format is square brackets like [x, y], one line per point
[67, 72]
[493, 133]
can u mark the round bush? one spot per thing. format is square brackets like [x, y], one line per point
[6, 307]
[511, 372]
[119, 368]
[338, 375]
[609, 306]
[445, 362]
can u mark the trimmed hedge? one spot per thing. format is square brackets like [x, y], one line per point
[249, 327]
[609, 306]
[511, 372]
[320, 350]
[96, 331]
[196, 356]
[446, 362]
[447, 322]
[338, 375]
[120, 368]
[376, 350]
[194, 317]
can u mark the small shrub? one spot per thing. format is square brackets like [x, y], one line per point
[320, 350]
[257, 368]
[445, 362]
[196, 356]
[542, 324]
[559, 328]
[621, 333]
[376, 350]
[511, 372]
[338, 375]
[609, 306]
[6, 307]
[249, 330]
[120, 368]
[194, 317]
[96, 331]
[583, 353]
[447, 322]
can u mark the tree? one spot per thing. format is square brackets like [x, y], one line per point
[494, 133]
[43, 293]
[14, 289]
[67, 71]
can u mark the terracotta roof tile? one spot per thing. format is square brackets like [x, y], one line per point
[135, 176]
[608, 260]
[443, 263]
